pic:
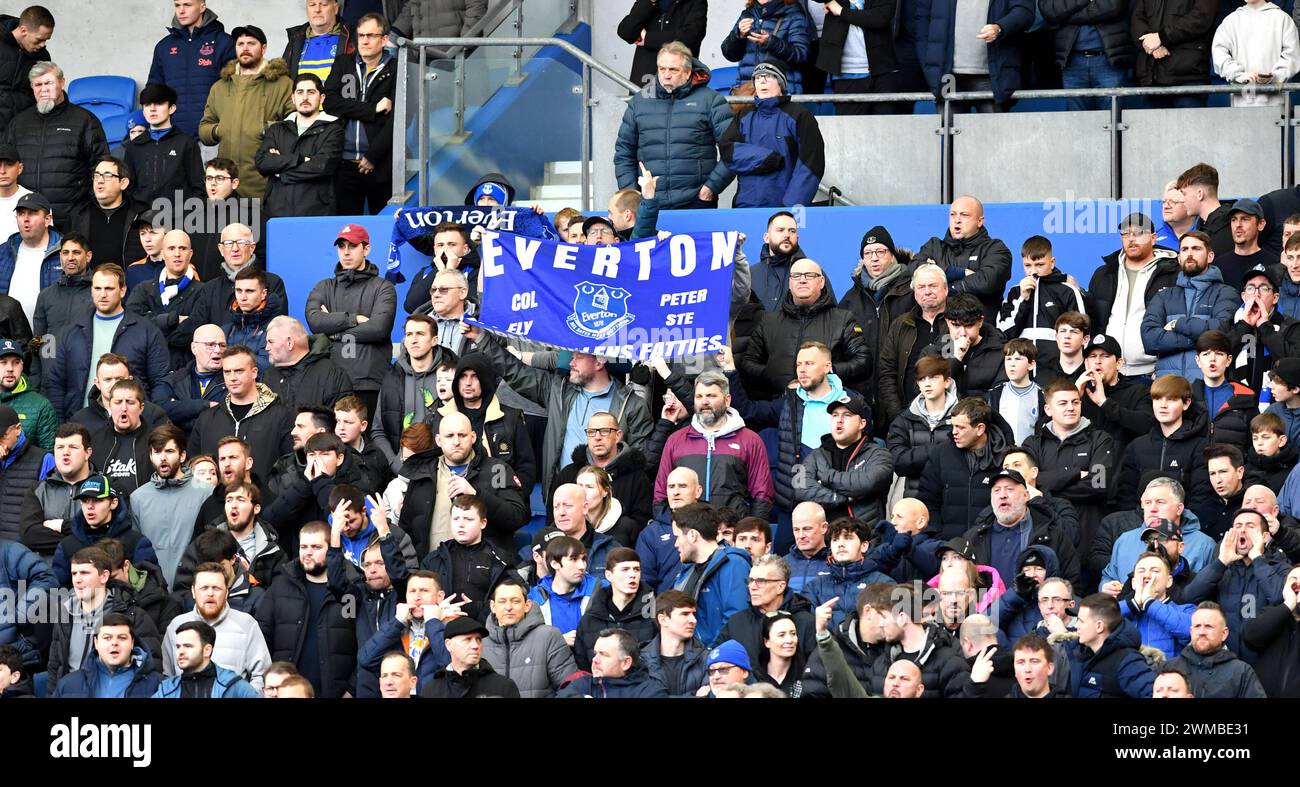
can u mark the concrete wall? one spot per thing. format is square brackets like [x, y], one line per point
[94, 37]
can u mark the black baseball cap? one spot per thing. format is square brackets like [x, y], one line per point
[1269, 272]
[1163, 529]
[9, 153]
[252, 31]
[11, 347]
[854, 404]
[1104, 343]
[1012, 475]
[959, 545]
[34, 201]
[592, 221]
[1247, 206]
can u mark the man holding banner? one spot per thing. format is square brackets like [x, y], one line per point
[635, 301]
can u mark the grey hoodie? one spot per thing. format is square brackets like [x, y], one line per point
[917, 408]
[165, 510]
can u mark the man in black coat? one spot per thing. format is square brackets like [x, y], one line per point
[467, 675]
[955, 483]
[807, 314]
[622, 603]
[648, 27]
[196, 387]
[944, 672]
[299, 167]
[1275, 637]
[58, 147]
[169, 300]
[164, 161]
[22, 45]
[306, 620]
[973, 346]
[974, 261]
[112, 220]
[238, 251]
[769, 591]
[626, 465]
[360, 92]
[121, 447]
[250, 410]
[1118, 405]
[861, 642]
[297, 375]
[306, 496]
[1016, 519]
[501, 429]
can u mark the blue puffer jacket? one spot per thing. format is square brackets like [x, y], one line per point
[936, 22]
[136, 338]
[123, 527]
[845, 580]
[675, 135]
[776, 149]
[228, 685]
[1117, 669]
[190, 62]
[50, 270]
[790, 37]
[20, 564]
[249, 328]
[1289, 299]
[1175, 350]
[370, 657]
[1163, 624]
[805, 570]
[723, 590]
[658, 552]
[84, 683]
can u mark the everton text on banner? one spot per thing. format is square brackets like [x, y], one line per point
[410, 225]
[646, 299]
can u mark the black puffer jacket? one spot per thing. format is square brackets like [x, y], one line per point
[282, 616]
[1181, 456]
[1275, 638]
[852, 481]
[146, 301]
[442, 562]
[362, 349]
[213, 304]
[18, 475]
[911, 443]
[981, 369]
[1185, 28]
[501, 430]
[1046, 531]
[294, 185]
[638, 620]
[1061, 463]
[15, 67]
[631, 485]
[860, 658]
[955, 484]
[685, 21]
[58, 151]
[314, 379]
[161, 167]
[767, 364]
[985, 255]
[1126, 415]
[405, 397]
[944, 670]
[874, 315]
[1110, 17]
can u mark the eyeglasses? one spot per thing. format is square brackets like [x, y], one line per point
[1257, 289]
[216, 178]
[871, 255]
[763, 582]
[1134, 233]
[600, 232]
[370, 35]
[210, 346]
[230, 244]
[1168, 203]
[1052, 599]
[720, 670]
[604, 431]
[443, 290]
[105, 176]
[805, 276]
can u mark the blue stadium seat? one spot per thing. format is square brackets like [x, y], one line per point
[106, 96]
[114, 128]
[724, 79]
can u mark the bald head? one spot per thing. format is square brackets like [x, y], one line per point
[910, 515]
[456, 439]
[177, 252]
[569, 506]
[236, 245]
[1260, 498]
[286, 341]
[903, 681]
[977, 633]
[208, 344]
[806, 282]
[683, 487]
[965, 217]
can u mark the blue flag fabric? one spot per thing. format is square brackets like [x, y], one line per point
[649, 298]
[413, 224]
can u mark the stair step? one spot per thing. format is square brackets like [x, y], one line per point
[552, 205]
[561, 191]
[563, 180]
[565, 168]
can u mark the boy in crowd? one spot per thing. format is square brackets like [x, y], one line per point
[1019, 400]
[164, 160]
[1073, 329]
[1284, 388]
[1272, 454]
[1288, 301]
[564, 596]
[1230, 404]
[1033, 306]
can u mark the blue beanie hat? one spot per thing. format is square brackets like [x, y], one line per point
[730, 652]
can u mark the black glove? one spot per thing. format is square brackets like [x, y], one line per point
[1025, 586]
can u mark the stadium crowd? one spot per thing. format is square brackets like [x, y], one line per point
[939, 483]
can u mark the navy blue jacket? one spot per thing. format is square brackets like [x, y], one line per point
[1235, 585]
[389, 637]
[83, 683]
[790, 39]
[123, 527]
[695, 661]
[639, 683]
[776, 148]
[136, 338]
[178, 395]
[657, 549]
[20, 564]
[1116, 669]
[846, 581]
[936, 28]
[191, 63]
[805, 570]
[675, 135]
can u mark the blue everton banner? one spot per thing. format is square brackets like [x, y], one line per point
[650, 298]
[415, 226]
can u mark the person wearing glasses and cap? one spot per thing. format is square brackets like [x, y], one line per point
[103, 513]
[1261, 333]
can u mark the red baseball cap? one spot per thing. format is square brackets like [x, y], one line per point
[353, 233]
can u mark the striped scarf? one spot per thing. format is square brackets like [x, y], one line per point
[168, 291]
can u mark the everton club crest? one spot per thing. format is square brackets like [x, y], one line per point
[599, 310]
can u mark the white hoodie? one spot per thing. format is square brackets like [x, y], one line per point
[1256, 39]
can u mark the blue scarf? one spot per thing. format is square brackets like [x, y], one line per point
[168, 291]
[416, 223]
